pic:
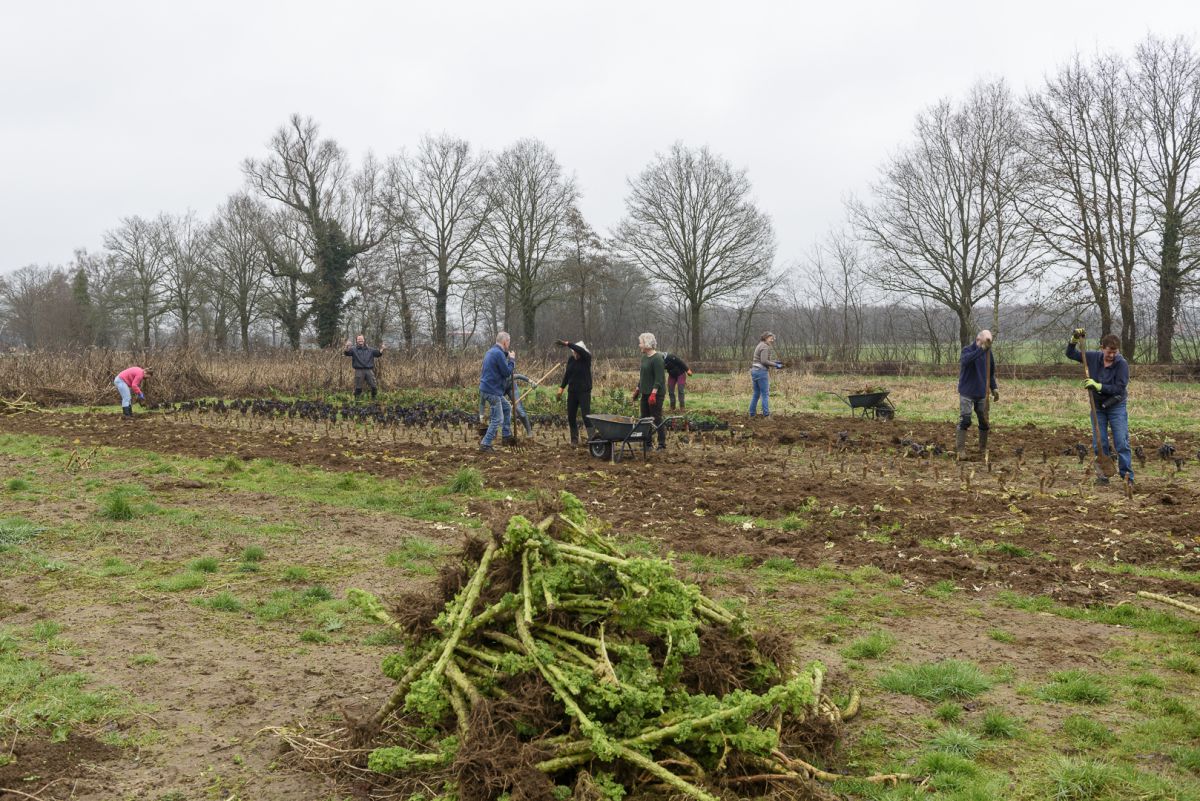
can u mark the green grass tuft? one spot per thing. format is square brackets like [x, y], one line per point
[253, 553]
[316, 594]
[1000, 635]
[1076, 687]
[1187, 758]
[224, 601]
[467, 481]
[116, 506]
[415, 555]
[313, 636]
[942, 589]
[295, 575]
[1086, 732]
[45, 630]
[115, 566]
[1075, 779]
[953, 740]
[872, 646]
[937, 681]
[16, 530]
[948, 712]
[144, 659]
[997, 725]
[1182, 663]
[16, 485]
[205, 564]
[189, 580]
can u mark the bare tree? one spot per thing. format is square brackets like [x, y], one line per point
[1167, 87]
[282, 239]
[692, 225]
[945, 223]
[1086, 155]
[585, 268]
[141, 269]
[439, 199]
[240, 260]
[530, 200]
[184, 244]
[312, 178]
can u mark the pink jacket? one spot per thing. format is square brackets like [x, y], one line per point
[133, 376]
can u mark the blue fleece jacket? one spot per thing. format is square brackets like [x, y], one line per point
[972, 372]
[497, 368]
[1114, 381]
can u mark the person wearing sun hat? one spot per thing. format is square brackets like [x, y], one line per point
[577, 381]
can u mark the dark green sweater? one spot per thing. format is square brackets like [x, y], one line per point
[653, 375]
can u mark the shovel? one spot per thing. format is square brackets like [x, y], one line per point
[1104, 461]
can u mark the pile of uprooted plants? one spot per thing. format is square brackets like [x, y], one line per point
[553, 665]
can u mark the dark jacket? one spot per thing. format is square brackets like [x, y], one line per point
[675, 365]
[652, 376]
[577, 378]
[1114, 381]
[363, 358]
[972, 372]
[497, 368]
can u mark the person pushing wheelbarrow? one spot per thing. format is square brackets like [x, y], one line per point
[1108, 388]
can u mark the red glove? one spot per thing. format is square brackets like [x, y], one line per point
[653, 396]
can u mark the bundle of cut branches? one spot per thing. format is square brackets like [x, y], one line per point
[18, 406]
[557, 662]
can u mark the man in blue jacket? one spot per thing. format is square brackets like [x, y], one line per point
[498, 365]
[1109, 387]
[975, 365]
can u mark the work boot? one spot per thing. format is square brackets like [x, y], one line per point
[374, 392]
[127, 411]
[528, 426]
[960, 444]
[983, 437]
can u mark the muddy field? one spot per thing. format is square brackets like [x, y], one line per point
[807, 492]
[918, 514]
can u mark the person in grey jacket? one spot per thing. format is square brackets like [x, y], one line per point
[764, 359]
[362, 359]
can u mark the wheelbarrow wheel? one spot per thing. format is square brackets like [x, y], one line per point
[601, 450]
[884, 412]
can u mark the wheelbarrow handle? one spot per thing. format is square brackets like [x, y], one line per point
[665, 420]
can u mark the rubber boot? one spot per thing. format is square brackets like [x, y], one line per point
[357, 395]
[528, 426]
[983, 436]
[127, 411]
[960, 444]
[374, 392]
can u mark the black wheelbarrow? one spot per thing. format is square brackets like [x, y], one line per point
[875, 404]
[611, 436]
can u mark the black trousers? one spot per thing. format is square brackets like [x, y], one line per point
[578, 402]
[655, 411]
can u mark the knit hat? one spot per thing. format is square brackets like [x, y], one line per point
[582, 346]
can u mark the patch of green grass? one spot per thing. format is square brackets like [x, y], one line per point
[998, 725]
[115, 505]
[142, 660]
[36, 698]
[1182, 663]
[942, 589]
[937, 681]
[467, 481]
[278, 606]
[1076, 779]
[1075, 687]
[16, 485]
[1000, 635]
[249, 567]
[948, 712]
[1120, 615]
[316, 594]
[415, 555]
[347, 482]
[45, 630]
[224, 601]
[872, 646]
[115, 566]
[205, 564]
[253, 553]
[953, 740]
[1087, 732]
[1146, 680]
[1008, 549]
[313, 636]
[384, 637]
[1187, 758]
[188, 580]
[16, 530]
[295, 575]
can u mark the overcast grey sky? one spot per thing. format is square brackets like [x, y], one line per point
[110, 109]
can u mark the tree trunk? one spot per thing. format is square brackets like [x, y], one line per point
[965, 335]
[694, 324]
[1168, 285]
[528, 322]
[244, 328]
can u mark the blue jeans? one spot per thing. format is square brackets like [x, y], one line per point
[762, 389]
[123, 388]
[501, 417]
[1116, 419]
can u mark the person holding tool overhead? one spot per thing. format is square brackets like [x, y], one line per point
[577, 381]
[1107, 385]
[976, 377]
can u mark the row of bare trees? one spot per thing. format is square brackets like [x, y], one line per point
[1078, 201]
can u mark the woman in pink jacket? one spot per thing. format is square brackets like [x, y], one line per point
[129, 383]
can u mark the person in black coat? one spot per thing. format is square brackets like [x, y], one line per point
[677, 375]
[362, 359]
[577, 381]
